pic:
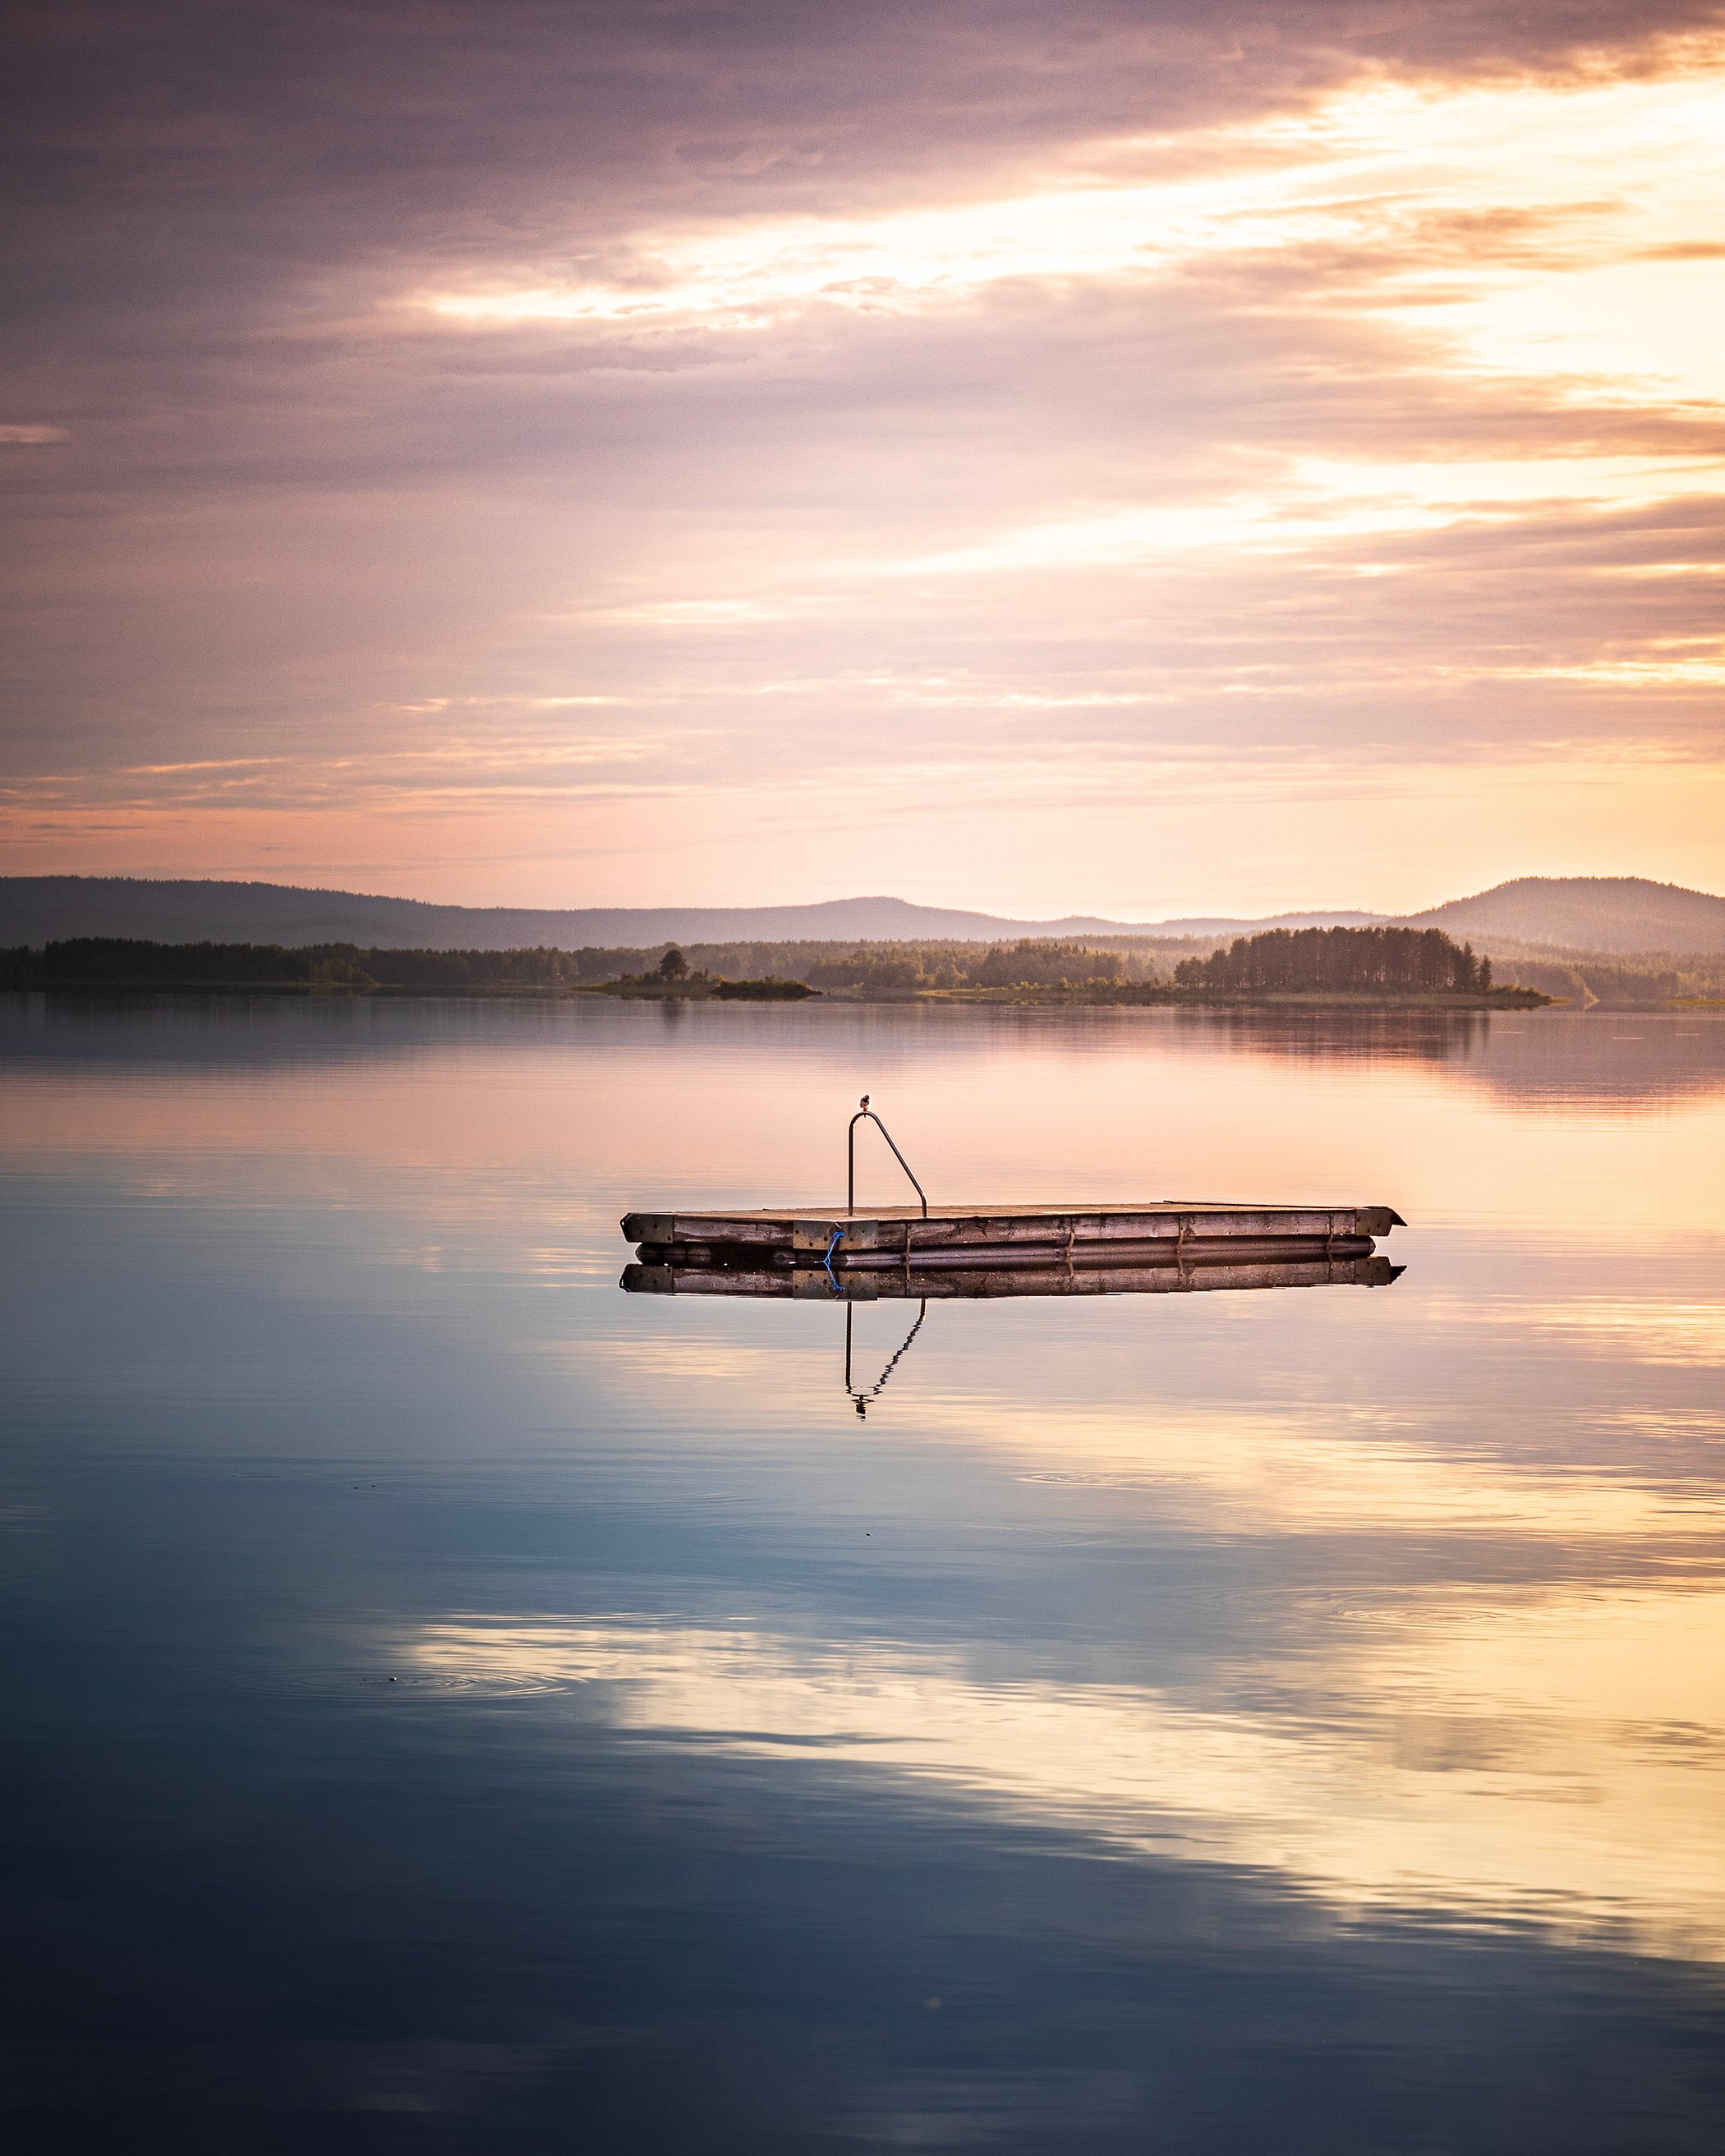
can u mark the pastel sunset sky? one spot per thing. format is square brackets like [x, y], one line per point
[1129, 456]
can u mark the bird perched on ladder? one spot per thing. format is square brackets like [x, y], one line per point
[864, 1102]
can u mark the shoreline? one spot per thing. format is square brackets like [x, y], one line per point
[1128, 994]
[1025, 997]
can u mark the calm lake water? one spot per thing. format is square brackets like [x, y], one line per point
[451, 1704]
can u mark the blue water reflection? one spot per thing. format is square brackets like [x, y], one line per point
[455, 1704]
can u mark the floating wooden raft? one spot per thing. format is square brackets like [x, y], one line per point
[1088, 1274]
[1168, 1230]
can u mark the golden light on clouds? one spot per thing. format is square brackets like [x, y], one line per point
[1337, 423]
[1607, 194]
[1318, 500]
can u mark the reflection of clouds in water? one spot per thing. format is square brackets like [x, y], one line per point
[1236, 1467]
[1559, 1763]
[1626, 1329]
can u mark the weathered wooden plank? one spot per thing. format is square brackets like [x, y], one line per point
[896, 1229]
[1159, 1251]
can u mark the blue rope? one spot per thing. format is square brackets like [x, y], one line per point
[832, 1277]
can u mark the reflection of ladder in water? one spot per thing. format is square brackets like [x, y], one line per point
[863, 1399]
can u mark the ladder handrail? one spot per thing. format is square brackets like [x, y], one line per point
[865, 1113]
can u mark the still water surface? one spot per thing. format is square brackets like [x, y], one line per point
[452, 1704]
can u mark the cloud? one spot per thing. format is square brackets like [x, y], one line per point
[796, 389]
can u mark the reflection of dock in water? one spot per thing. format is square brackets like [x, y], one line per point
[1349, 1262]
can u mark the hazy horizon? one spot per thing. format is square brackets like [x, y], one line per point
[1118, 459]
[803, 902]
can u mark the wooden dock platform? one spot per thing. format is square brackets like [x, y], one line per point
[1167, 1231]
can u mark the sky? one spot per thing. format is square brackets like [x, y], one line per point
[1139, 458]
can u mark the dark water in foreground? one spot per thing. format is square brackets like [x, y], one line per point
[452, 1705]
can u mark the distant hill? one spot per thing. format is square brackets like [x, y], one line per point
[36, 909]
[1619, 914]
[1611, 914]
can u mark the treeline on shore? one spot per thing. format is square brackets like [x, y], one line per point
[893, 969]
[105, 962]
[868, 969]
[1102, 969]
[898, 968]
[1348, 961]
[1585, 977]
[1345, 959]
[127, 962]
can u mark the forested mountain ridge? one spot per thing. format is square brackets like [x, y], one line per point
[1628, 915]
